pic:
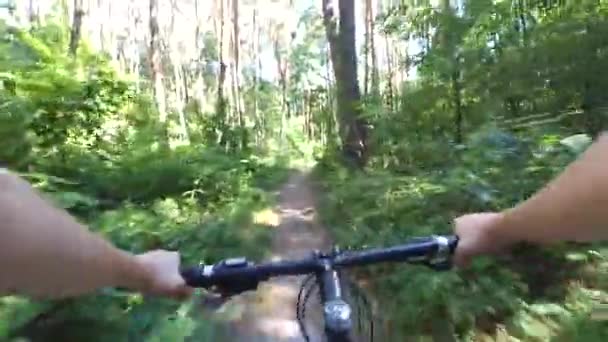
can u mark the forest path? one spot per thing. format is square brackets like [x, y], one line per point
[268, 315]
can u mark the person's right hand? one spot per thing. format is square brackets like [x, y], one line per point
[477, 236]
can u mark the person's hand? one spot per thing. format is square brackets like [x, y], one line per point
[477, 236]
[163, 276]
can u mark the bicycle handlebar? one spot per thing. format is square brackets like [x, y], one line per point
[236, 275]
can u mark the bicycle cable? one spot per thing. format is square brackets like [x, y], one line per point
[303, 295]
[363, 304]
[309, 293]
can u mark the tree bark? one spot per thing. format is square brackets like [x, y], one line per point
[256, 78]
[220, 110]
[200, 82]
[76, 26]
[366, 48]
[391, 74]
[523, 22]
[372, 46]
[353, 129]
[180, 91]
[155, 63]
[329, 103]
[458, 110]
[33, 13]
[179, 78]
[282, 71]
[236, 85]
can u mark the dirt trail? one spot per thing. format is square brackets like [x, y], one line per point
[269, 313]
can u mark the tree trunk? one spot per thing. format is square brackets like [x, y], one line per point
[390, 76]
[366, 47]
[179, 78]
[523, 22]
[236, 85]
[281, 69]
[220, 110]
[65, 12]
[33, 13]
[256, 78]
[135, 54]
[353, 129]
[75, 32]
[131, 54]
[200, 82]
[398, 79]
[155, 64]
[180, 91]
[329, 104]
[102, 27]
[310, 110]
[372, 47]
[454, 74]
[186, 84]
[456, 88]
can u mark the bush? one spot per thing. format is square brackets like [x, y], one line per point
[94, 147]
[382, 206]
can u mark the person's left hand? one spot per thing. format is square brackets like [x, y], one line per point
[164, 278]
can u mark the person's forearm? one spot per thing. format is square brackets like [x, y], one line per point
[44, 252]
[573, 207]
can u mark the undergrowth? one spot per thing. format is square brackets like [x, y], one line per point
[531, 294]
[86, 138]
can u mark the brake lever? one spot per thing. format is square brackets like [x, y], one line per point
[213, 301]
[435, 266]
[440, 266]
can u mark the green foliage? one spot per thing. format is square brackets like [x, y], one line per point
[502, 94]
[17, 312]
[491, 171]
[52, 100]
[80, 133]
[514, 63]
[197, 201]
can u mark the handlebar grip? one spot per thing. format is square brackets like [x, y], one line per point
[195, 276]
[228, 277]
